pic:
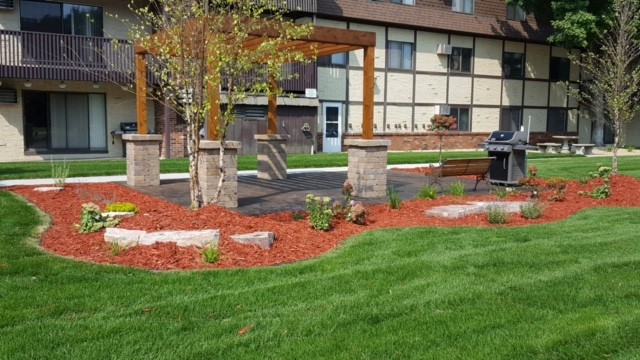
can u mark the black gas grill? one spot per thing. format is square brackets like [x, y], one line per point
[125, 128]
[510, 150]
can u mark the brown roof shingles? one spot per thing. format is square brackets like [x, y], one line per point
[489, 18]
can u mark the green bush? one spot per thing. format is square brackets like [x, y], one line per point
[393, 198]
[456, 189]
[497, 215]
[210, 254]
[501, 192]
[59, 173]
[531, 210]
[427, 192]
[92, 220]
[320, 212]
[122, 207]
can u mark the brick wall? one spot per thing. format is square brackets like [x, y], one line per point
[428, 141]
[177, 135]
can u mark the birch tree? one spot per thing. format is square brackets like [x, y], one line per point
[199, 47]
[613, 73]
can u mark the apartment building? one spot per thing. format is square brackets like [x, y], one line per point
[481, 61]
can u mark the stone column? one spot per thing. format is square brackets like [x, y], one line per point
[368, 167]
[143, 159]
[272, 156]
[209, 173]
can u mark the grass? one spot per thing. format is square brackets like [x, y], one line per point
[567, 290]
[575, 168]
[82, 168]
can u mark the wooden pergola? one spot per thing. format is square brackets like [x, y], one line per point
[323, 41]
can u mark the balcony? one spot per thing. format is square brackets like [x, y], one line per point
[33, 55]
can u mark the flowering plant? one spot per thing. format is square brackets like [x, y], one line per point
[442, 123]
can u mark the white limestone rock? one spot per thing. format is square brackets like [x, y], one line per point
[123, 237]
[199, 238]
[262, 239]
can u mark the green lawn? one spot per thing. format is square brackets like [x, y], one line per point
[80, 168]
[569, 290]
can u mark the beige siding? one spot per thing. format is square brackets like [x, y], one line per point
[486, 91]
[512, 93]
[401, 35]
[11, 128]
[535, 93]
[514, 47]
[572, 120]
[537, 61]
[538, 119]
[462, 41]
[399, 87]
[356, 86]
[431, 89]
[423, 115]
[558, 51]
[399, 118]
[488, 57]
[573, 101]
[584, 129]
[485, 119]
[459, 90]
[331, 23]
[355, 118]
[558, 95]
[426, 57]
[332, 84]
[356, 58]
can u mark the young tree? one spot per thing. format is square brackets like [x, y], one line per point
[201, 46]
[613, 73]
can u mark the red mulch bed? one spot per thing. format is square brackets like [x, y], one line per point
[295, 240]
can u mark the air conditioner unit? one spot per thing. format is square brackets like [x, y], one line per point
[443, 49]
[441, 109]
[8, 96]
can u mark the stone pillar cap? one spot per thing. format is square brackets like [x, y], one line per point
[367, 143]
[142, 137]
[211, 144]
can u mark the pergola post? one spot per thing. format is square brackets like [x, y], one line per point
[272, 147]
[272, 107]
[367, 97]
[213, 121]
[141, 94]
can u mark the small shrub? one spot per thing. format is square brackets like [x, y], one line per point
[59, 173]
[320, 213]
[601, 192]
[604, 191]
[427, 192]
[298, 215]
[456, 189]
[583, 180]
[497, 215]
[122, 207]
[532, 170]
[92, 220]
[559, 187]
[210, 254]
[630, 148]
[393, 198]
[115, 249]
[531, 210]
[609, 148]
[501, 192]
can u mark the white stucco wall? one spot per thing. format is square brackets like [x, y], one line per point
[399, 118]
[536, 93]
[537, 61]
[431, 89]
[426, 57]
[356, 58]
[488, 57]
[459, 90]
[512, 92]
[485, 119]
[399, 87]
[558, 95]
[356, 86]
[538, 119]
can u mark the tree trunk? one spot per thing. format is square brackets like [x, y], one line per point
[193, 144]
[221, 168]
[617, 129]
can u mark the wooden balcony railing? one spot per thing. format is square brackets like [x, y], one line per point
[33, 55]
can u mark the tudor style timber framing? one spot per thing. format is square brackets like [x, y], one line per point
[323, 41]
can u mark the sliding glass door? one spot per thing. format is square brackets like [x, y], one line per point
[65, 122]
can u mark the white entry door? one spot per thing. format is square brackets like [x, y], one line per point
[332, 135]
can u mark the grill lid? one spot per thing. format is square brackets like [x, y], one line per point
[129, 126]
[507, 137]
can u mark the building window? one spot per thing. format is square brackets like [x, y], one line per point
[333, 60]
[460, 60]
[513, 65]
[65, 122]
[60, 18]
[463, 6]
[557, 120]
[400, 55]
[511, 119]
[515, 12]
[404, 2]
[462, 118]
[559, 69]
